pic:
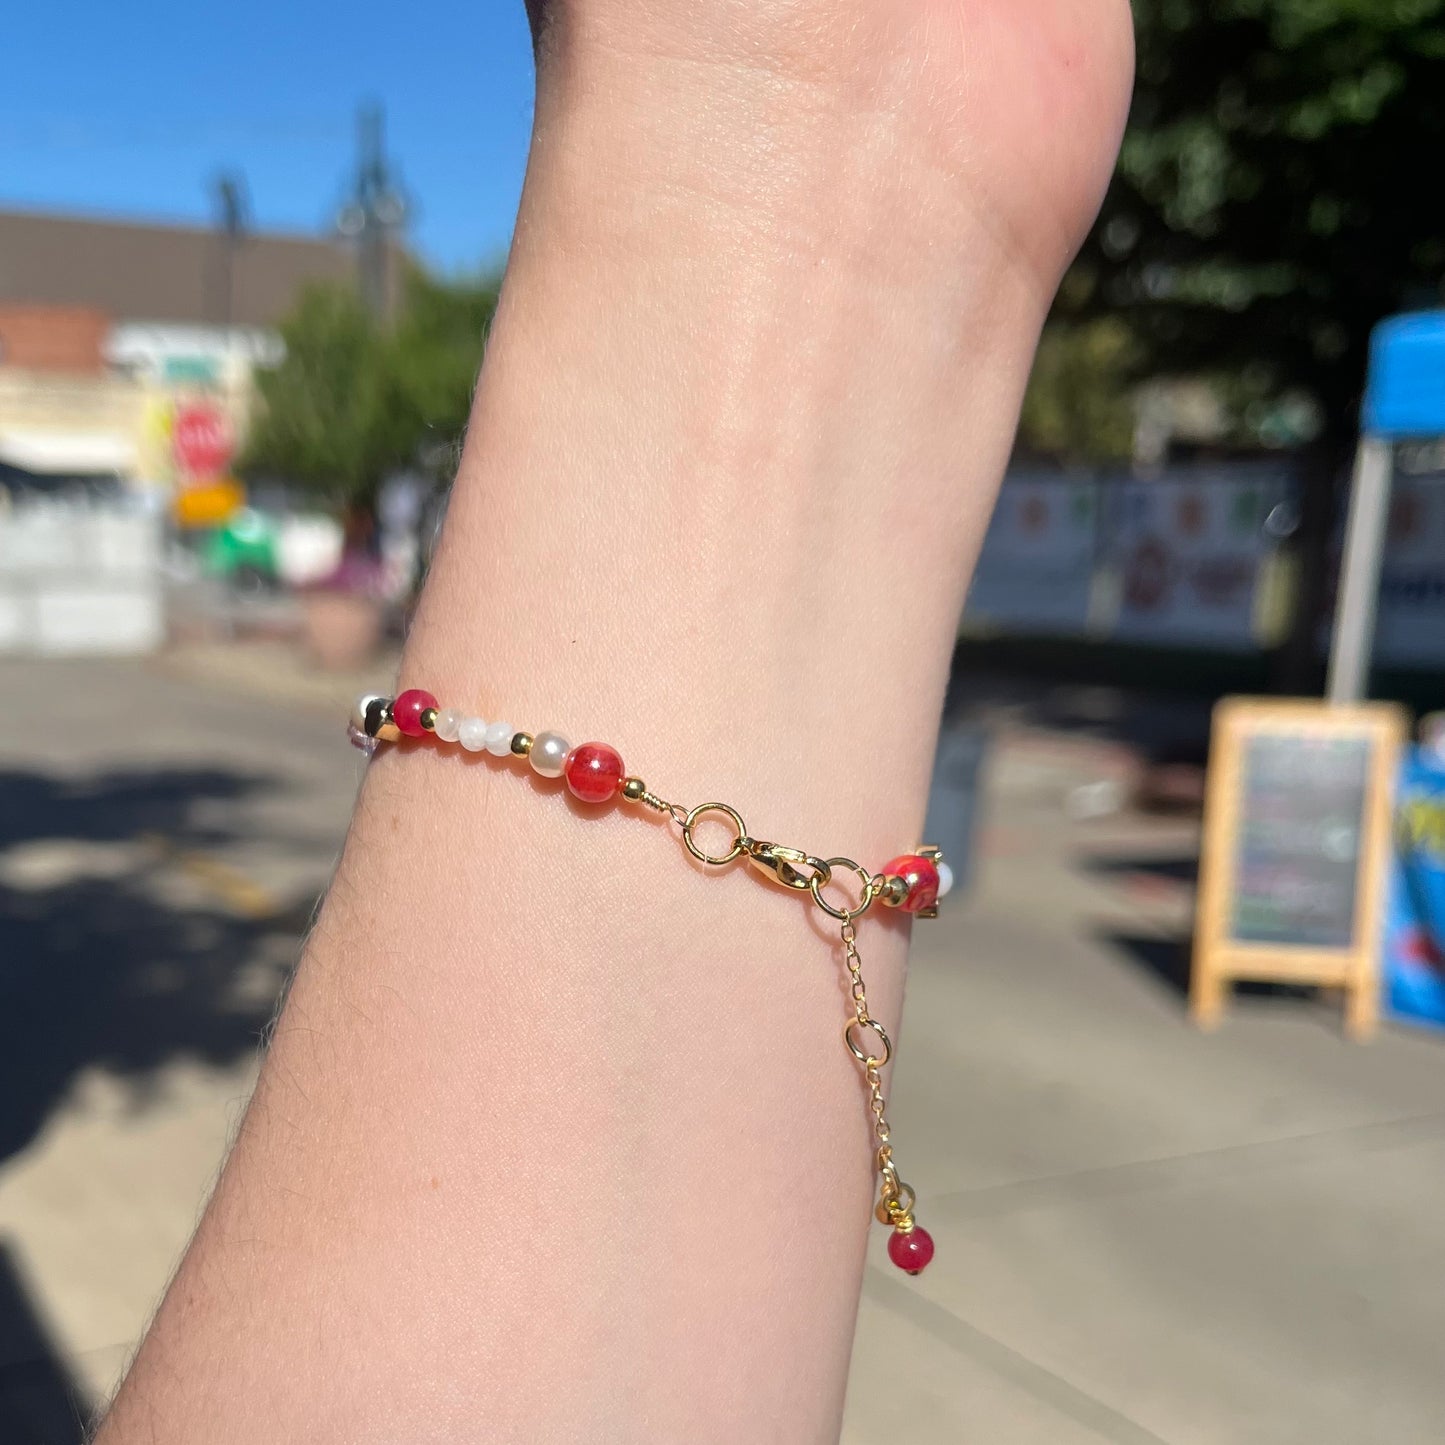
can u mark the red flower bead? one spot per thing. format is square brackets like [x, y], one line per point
[911, 1250]
[593, 772]
[406, 711]
[922, 878]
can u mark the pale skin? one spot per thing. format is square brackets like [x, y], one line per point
[557, 1139]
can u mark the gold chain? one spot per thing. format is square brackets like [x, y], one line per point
[800, 871]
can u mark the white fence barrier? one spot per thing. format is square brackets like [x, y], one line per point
[80, 578]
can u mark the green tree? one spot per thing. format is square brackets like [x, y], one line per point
[1079, 406]
[1277, 194]
[355, 400]
[434, 353]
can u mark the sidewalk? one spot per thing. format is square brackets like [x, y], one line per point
[1145, 1234]
[275, 669]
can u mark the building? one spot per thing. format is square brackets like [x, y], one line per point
[108, 328]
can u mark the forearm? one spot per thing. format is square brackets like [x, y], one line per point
[557, 1131]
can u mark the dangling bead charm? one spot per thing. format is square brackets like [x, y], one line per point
[910, 1247]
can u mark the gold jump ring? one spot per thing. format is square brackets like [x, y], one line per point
[715, 860]
[869, 1061]
[819, 881]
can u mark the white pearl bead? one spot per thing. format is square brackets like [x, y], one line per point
[472, 733]
[448, 725]
[549, 754]
[499, 739]
[945, 878]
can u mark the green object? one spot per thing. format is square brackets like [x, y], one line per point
[245, 544]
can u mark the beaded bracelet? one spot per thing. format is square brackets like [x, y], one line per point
[594, 773]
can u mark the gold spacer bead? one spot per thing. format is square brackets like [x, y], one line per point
[428, 719]
[894, 890]
[522, 744]
[633, 789]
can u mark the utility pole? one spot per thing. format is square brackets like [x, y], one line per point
[230, 191]
[376, 209]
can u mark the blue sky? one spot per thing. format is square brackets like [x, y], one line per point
[133, 110]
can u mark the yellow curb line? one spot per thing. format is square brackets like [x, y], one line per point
[242, 895]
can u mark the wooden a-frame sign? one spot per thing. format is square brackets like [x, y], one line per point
[1293, 860]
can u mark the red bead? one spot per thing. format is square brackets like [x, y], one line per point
[922, 878]
[912, 1250]
[406, 711]
[594, 772]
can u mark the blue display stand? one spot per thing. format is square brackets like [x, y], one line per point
[1404, 397]
[1414, 961]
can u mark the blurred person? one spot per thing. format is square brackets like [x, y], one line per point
[554, 1140]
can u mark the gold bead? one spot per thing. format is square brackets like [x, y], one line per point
[379, 724]
[428, 719]
[633, 789]
[894, 890]
[522, 744]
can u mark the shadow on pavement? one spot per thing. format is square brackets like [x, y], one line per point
[1163, 960]
[1161, 727]
[39, 1403]
[107, 957]
[1181, 869]
[1166, 961]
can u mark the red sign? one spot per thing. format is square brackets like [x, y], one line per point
[202, 440]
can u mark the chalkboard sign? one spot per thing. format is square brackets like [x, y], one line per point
[1296, 837]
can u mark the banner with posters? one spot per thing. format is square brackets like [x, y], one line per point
[1410, 626]
[1036, 570]
[1414, 955]
[1189, 551]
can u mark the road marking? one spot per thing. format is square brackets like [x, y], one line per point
[241, 894]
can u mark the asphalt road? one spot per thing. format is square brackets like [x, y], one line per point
[1144, 1234]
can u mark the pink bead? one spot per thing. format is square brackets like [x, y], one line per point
[406, 711]
[912, 1250]
[922, 879]
[593, 772]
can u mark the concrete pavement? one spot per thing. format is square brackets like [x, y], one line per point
[1144, 1234]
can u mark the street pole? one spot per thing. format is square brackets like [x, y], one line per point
[371, 183]
[376, 210]
[1354, 631]
[230, 226]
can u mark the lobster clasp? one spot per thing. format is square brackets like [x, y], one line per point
[787, 865]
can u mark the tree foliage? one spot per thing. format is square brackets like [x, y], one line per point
[355, 400]
[1079, 404]
[1277, 194]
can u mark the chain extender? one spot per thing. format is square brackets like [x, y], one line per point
[803, 872]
